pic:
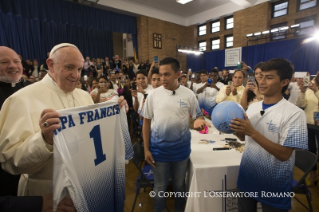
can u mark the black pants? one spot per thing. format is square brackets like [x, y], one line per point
[247, 204]
[312, 135]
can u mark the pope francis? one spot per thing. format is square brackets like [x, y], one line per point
[28, 119]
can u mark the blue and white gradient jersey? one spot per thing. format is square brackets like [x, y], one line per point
[90, 150]
[170, 114]
[284, 124]
[207, 98]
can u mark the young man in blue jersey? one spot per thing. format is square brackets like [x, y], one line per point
[166, 132]
[272, 129]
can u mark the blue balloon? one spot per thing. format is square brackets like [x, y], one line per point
[223, 113]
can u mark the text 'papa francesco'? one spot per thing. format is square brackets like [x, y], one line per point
[87, 116]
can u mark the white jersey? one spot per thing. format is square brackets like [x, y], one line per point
[90, 150]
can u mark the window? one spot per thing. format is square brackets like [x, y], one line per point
[202, 46]
[229, 21]
[305, 4]
[215, 43]
[279, 9]
[215, 26]
[277, 31]
[229, 41]
[202, 30]
[306, 25]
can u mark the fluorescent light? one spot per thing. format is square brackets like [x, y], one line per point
[183, 1]
[274, 30]
[284, 28]
[249, 35]
[257, 33]
[294, 26]
[265, 32]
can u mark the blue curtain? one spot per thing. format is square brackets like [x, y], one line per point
[304, 56]
[33, 27]
[195, 62]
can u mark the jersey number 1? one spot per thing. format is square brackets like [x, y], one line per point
[96, 135]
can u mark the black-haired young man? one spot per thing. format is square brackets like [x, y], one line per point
[272, 129]
[167, 143]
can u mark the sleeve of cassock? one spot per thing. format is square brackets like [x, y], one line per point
[22, 148]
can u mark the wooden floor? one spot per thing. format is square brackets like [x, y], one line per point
[145, 203]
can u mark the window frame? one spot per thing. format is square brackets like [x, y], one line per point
[202, 41]
[277, 26]
[298, 21]
[211, 43]
[211, 26]
[299, 4]
[227, 36]
[231, 16]
[199, 31]
[273, 8]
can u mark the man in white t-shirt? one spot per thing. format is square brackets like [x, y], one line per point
[195, 81]
[207, 92]
[167, 143]
[272, 129]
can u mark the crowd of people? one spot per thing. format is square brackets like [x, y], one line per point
[164, 97]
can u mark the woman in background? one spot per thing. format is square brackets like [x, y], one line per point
[251, 93]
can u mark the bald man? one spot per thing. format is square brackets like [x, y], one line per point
[28, 119]
[10, 82]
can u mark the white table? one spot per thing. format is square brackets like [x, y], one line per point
[211, 171]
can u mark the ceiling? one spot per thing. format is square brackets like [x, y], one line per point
[195, 12]
[184, 10]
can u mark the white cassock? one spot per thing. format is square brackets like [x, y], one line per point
[22, 147]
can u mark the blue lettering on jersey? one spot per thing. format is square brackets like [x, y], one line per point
[82, 114]
[103, 112]
[90, 116]
[63, 121]
[110, 111]
[71, 122]
[96, 117]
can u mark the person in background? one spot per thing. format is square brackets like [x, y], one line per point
[104, 91]
[94, 84]
[35, 68]
[220, 76]
[31, 79]
[226, 77]
[99, 67]
[10, 82]
[106, 66]
[142, 88]
[44, 65]
[294, 90]
[114, 81]
[195, 81]
[42, 75]
[251, 93]
[131, 72]
[183, 80]
[135, 66]
[86, 66]
[308, 99]
[155, 82]
[235, 91]
[117, 64]
[207, 92]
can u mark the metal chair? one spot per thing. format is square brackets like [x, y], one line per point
[305, 161]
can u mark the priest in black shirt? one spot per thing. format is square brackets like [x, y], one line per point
[10, 82]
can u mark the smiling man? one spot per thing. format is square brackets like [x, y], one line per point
[272, 129]
[167, 143]
[28, 119]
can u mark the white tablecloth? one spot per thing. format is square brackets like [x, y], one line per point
[211, 171]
